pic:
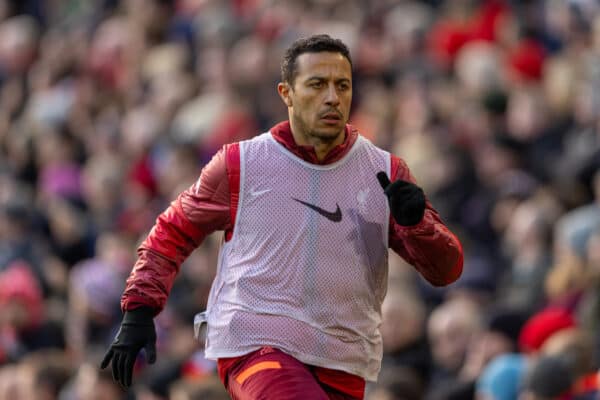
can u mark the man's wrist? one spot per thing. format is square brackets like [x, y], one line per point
[141, 315]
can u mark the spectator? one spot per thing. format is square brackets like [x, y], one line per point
[549, 378]
[450, 329]
[501, 379]
[541, 326]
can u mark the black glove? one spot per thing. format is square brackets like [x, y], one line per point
[407, 200]
[136, 332]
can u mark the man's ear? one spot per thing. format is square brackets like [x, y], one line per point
[283, 88]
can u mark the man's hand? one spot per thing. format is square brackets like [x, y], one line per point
[136, 332]
[407, 200]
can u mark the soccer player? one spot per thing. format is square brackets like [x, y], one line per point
[295, 308]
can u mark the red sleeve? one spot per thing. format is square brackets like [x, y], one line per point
[198, 211]
[429, 246]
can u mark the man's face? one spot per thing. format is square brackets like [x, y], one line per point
[319, 100]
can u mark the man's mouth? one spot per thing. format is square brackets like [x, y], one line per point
[331, 117]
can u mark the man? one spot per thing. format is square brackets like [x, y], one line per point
[548, 378]
[295, 308]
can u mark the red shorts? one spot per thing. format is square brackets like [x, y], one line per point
[269, 373]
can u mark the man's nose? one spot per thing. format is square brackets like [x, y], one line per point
[332, 96]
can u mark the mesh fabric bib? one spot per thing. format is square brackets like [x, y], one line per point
[306, 268]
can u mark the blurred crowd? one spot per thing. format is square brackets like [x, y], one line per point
[109, 108]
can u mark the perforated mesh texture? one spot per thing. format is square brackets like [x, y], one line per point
[296, 278]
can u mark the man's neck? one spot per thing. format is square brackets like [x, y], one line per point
[322, 147]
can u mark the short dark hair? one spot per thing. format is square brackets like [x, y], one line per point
[312, 44]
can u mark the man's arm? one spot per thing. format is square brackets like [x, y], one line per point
[429, 245]
[198, 211]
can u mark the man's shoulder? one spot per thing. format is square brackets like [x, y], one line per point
[258, 138]
[365, 141]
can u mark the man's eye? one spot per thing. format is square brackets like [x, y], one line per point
[344, 86]
[317, 85]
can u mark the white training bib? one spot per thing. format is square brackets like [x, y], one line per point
[306, 268]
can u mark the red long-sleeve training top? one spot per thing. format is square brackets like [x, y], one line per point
[211, 204]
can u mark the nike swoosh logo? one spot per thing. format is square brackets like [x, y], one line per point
[335, 216]
[259, 192]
